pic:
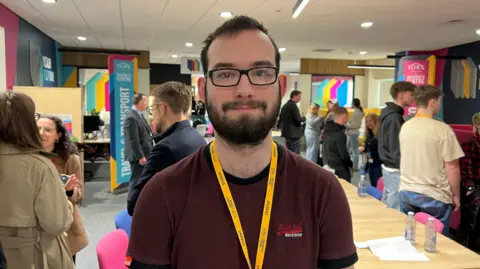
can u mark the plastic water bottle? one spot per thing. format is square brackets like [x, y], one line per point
[362, 192]
[410, 225]
[431, 236]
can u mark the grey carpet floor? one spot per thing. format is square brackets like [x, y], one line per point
[98, 211]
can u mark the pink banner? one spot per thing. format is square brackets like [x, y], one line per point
[416, 71]
[107, 96]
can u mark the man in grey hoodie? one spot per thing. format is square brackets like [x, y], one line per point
[391, 118]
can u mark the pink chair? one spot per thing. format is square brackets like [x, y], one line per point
[210, 129]
[455, 219]
[380, 184]
[423, 218]
[112, 249]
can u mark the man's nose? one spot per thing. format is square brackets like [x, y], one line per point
[244, 88]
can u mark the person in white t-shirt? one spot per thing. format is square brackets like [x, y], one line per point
[429, 164]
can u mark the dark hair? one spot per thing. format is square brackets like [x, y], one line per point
[339, 111]
[17, 121]
[137, 98]
[425, 93]
[401, 86]
[176, 95]
[356, 104]
[232, 27]
[295, 93]
[64, 147]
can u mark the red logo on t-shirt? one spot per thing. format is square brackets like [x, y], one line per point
[290, 231]
[128, 261]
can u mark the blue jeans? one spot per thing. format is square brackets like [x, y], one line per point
[313, 146]
[391, 181]
[352, 146]
[416, 202]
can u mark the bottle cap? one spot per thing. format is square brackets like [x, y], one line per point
[411, 213]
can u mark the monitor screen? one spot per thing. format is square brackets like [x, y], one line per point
[91, 124]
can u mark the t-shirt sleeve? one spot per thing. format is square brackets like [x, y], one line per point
[151, 234]
[337, 248]
[450, 147]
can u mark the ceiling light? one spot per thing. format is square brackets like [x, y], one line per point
[363, 52]
[282, 49]
[478, 31]
[81, 38]
[298, 8]
[188, 44]
[49, 1]
[226, 14]
[174, 56]
[368, 66]
[366, 24]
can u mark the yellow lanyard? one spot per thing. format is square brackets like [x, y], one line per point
[267, 207]
[420, 115]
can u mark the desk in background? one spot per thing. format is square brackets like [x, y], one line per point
[372, 220]
[97, 158]
[97, 141]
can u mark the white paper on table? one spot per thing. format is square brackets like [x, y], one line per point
[367, 244]
[393, 249]
[397, 251]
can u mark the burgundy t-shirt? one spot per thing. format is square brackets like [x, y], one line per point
[182, 222]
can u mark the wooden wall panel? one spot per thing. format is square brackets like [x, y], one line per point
[330, 67]
[58, 101]
[89, 58]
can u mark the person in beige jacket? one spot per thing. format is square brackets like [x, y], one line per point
[55, 139]
[35, 212]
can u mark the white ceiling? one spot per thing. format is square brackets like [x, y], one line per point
[163, 26]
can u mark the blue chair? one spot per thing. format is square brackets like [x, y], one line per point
[123, 221]
[374, 192]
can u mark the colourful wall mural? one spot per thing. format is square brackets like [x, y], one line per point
[325, 88]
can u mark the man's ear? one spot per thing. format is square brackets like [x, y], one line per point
[282, 83]
[202, 83]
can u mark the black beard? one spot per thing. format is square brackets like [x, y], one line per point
[246, 131]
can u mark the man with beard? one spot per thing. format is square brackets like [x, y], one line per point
[213, 208]
[177, 138]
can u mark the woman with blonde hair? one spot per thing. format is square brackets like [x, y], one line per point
[374, 164]
[331, 106]
[35, 211]
[313, 128]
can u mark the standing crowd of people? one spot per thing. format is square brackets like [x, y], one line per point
[423, 165]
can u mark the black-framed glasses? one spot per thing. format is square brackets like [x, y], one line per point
[150, 109]
[37, 116]
[230, 77]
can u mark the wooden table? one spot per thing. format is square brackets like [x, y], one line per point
[372, 220]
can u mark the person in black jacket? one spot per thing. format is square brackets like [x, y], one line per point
[391, 118]
[335, 153]
[176, 140]
[291, 122]
[374, 164]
